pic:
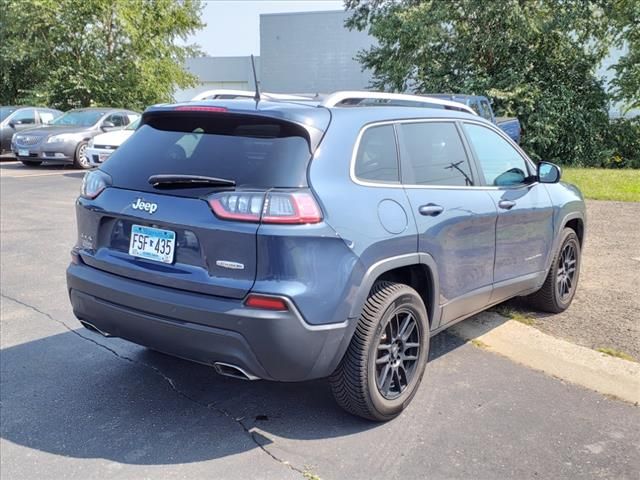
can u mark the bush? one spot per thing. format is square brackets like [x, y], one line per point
[623, 144]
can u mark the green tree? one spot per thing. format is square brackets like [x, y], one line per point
[73, 53]
[536, 59]
[626, 83]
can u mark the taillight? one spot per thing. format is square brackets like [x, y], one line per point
[94, 183]
[274, 207]
[265, 302]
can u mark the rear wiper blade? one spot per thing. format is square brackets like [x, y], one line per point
[171, 179]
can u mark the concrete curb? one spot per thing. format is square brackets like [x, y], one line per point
[567, 361]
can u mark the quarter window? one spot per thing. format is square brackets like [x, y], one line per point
[377, 158]
[433, 154]
[501, 164]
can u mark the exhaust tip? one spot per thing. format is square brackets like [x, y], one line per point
[93, 328]
[233, 371]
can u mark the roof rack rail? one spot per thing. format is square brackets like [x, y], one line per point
[359, 98]
[227, 94]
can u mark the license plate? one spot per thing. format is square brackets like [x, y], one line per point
[23, 152]
[103, 156]
[152, 243]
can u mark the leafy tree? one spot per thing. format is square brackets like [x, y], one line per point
[536, 59]
[73, 53]
[626, 18]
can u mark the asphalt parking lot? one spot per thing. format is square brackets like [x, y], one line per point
[76, 405]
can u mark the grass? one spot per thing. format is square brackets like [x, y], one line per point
[514, 314]
[616, 353]
[479, 343]
[605, 184]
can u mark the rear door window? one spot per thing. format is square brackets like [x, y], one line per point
[432, 154]
[377, 157]
[254, 152]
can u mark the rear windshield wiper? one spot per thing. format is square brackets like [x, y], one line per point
[180, 180]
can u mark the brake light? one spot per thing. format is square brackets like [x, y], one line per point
[266, 303]
[273, 207]
[199, 108]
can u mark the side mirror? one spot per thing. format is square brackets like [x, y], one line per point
[12, 124]
[107, 125]
[548, 172]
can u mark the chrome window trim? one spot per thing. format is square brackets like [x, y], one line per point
[365, 183]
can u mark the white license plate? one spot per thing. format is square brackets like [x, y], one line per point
[22, 152]
[152, 243]
[103, 156]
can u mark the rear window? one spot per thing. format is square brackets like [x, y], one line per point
[255, 152]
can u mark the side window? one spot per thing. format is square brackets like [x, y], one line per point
[433, 154]
[25, 117]
[45, 116]
[485, 110]
[116, 119]
[377, 158]
[501, 164]
[130, 118]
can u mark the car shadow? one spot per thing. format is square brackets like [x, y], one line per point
[63, 395]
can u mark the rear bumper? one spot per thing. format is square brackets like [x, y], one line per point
[206, 329]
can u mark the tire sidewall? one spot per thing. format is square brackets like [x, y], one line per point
[384, 407]
[78, 156]
[569, 236]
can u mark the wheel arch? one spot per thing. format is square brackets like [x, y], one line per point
[418, 270]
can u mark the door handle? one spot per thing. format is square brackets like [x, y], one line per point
[506, 204]
[431, 210]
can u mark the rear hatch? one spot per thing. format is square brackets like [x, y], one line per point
[199, 176]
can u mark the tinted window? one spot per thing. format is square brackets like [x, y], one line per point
[6, 111]
[433, 154]
[117, 119]
[485, 110]
[254, 152]
[377, 158]
[81, 118]
[501, 164]
[24, 117]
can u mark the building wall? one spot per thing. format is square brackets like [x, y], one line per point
[310, 52]
[219, 72]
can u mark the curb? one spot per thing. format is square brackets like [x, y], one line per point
[567, 361]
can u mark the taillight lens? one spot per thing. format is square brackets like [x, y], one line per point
[272, 207]
[94, 183]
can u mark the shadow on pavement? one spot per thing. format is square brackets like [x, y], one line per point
[65, 396]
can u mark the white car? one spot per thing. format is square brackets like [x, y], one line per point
[102, 146]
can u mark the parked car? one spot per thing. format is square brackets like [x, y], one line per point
[482, 106]
[290, 242]
[17, 118]
[102, 146]
[65, 139]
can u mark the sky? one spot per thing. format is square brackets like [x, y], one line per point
[233, 27]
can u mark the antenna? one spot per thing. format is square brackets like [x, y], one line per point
[256, 97]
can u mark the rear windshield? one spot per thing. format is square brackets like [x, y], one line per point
[254, 152]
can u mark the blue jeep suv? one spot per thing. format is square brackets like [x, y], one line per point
[291, 241]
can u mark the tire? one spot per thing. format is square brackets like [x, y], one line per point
[356, 382]
[554, 296]
[79, 159]
[31, 163]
